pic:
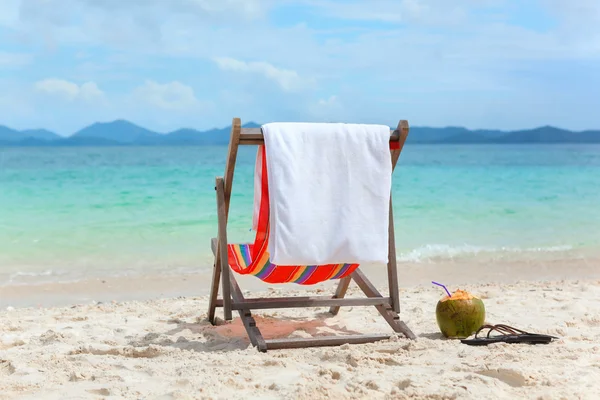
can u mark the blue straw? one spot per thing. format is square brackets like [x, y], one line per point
[439, 284]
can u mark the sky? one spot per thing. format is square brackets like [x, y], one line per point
[168, 64]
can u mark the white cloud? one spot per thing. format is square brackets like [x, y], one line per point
[578, 24]
[331, 101]
[577, 11]
[377, 56]
[87, 91]
[182, 27]
[233, 8]
[9, 12]
[13, 60]
[168, 96]
[439, 12]
[56, 11]
[287, 79]
[90, 91]
[374, 10]
[120, 22]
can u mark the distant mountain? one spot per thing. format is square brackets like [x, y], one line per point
[451, 134]
[545, 134]
[194, 137]
[425, 134]
[463, 138]
[43, 134]
[549, 134]
[188, 136]
[8, 135]
[589, 136]
[125, 133]
[11, 135]
[120, 131]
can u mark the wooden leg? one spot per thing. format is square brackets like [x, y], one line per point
[222, 249]
[249, 323]
[392, 318]
[392, 263]
[300, 343]
[252, 330]
[392, 266]
[340, 293]
[214, 291]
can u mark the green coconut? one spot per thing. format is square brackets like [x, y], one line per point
[460, 316]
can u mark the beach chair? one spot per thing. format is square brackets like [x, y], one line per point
[230, 258]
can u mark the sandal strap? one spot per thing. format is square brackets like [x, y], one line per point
[513, 331]
[506, 330]
[503, 329]
[482, 328]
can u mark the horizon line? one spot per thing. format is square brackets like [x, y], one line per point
[253, 122]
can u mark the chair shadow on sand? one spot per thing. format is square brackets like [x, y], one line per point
[231, 336]
[433, 336]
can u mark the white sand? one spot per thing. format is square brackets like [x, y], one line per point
[164, 349]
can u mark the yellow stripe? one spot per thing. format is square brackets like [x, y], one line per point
[258, 266]
[335, 271]
[298, 273]
[240, 258]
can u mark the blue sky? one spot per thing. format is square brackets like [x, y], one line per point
[166, 64]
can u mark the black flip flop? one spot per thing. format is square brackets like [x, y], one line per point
[508, 334]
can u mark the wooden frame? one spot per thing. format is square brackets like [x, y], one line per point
[233, 299]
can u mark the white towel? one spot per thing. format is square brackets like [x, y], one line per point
[329, 192]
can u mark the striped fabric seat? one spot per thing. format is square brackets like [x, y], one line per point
[241, 260]
[253, 259]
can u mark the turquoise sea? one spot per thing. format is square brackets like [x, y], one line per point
[76, 213]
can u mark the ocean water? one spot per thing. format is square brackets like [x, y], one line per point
[76, 213]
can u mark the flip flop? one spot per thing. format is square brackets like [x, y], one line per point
[508, 334]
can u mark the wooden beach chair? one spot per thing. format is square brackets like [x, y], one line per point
[227, 260]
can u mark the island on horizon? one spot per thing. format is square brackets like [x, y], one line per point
[124, 133]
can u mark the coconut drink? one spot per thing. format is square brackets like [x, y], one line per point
[460, 315]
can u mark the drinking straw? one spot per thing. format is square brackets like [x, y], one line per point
[439, 284]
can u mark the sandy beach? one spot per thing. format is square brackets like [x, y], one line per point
[163, 348]
[458, 139]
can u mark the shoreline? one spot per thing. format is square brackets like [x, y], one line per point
[156, 286]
